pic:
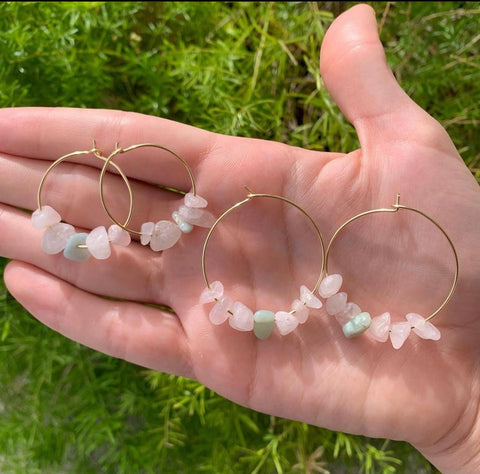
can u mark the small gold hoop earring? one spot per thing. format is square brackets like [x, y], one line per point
[60, 236]
[163, 234]
[355, 322]
[239, 315]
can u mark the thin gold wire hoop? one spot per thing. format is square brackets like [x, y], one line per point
[109, 160]
[395, 208]
[94, 151]
[251, 195]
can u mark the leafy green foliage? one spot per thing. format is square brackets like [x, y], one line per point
[239, 68]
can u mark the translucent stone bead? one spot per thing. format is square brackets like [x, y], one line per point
[350, 311]
[219, 313]
[358, 325]
[72, 250]
[422, 328]
[199, 217]
[194, 201]
[165, 235]
[146, 232]
[307, 297]
[185, 227]
[98, 244]
[380, 327]
[301, 311]
[263, 323]
[399, 333]
[242, 317]
[118, 236]
[213, 293]
[55, 237]
[330, 285]
[286, 322]
[336, 303]
[45, 217]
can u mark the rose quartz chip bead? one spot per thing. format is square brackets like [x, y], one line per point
[336, 303]
[300, 311]
[195, 201]
[55, 238]
[380, 327]
[309, 299]
[221, 311]
[285, 322]
[119, 236]
[330, 285]
[45, 217]
[422, 328]
[242, 317]
[214, 293]
[399, 333]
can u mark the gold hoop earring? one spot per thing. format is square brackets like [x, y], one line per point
[380, 328]
[239, 315]
[163, 234]
[60, 236]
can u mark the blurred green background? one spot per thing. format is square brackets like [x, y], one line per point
[239, 68]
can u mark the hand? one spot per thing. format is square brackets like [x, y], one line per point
[427, 393]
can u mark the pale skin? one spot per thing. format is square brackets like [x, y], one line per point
[426, 393]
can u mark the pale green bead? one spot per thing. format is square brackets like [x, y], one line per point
[356, 326]
[263, 323]
[72, 252]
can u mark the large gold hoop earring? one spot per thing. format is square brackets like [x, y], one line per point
[262, 322]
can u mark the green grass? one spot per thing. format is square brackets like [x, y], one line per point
[239, 68]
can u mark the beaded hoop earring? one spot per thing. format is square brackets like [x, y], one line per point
[163, 234]
[355, 322]
[60, 236]
[239, 315]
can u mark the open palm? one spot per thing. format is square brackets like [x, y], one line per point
[265, 251]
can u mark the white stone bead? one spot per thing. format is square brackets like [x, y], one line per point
[307, 297]
[185, 227]
[301, 311]
[350, 311]
[380, 327]
[147, 232]
[215, 292]
[242, 317]
[98, 244]
[330, 285]
[422, 328]
[194, 201]
[219, 313]
[336, 303]
[399, 333]
[119, 236]
[286, 322]
[55, 237]
[165, 235]
[199, 217]
[45, 217]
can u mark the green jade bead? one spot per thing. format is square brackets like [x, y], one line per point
[263, 323]
[73, 252]
[357, 325]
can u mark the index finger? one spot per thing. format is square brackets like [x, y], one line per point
[48, 133]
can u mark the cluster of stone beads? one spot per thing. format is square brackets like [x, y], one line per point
[355, 322]
[59, 236]
[77, 246]
[262, 322]
[165, 234]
